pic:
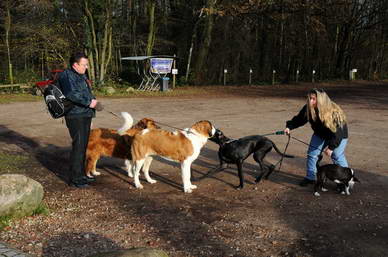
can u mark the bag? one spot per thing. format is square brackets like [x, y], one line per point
[57, 104]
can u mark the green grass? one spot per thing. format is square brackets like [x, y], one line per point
[10, 98]
[41, 209]
[180, 91]
[5, 221]
[12, 163]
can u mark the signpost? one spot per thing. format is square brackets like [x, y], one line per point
[161, 65]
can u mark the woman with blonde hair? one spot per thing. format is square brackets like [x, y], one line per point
[328, 122]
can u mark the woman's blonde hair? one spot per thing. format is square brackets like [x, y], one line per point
[331, 115]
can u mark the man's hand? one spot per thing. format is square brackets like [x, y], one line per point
[328, 152]
[287, 131]
[93, 103]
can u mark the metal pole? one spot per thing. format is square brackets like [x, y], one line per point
[250, 76]
[225, 71]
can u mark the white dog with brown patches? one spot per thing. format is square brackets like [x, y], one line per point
[180, 146]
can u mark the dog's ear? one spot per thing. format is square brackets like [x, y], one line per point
[152, 124]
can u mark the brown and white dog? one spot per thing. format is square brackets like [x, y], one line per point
[108, 142]
[180, 146]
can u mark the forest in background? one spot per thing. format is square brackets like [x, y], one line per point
[292, 37]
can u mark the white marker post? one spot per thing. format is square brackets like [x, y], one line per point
[174, 73]
[313, 78]
[250, 76]
[225, 71]
[352, 75]
[297, 76]
[273, 77]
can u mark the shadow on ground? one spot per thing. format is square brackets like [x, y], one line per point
[77, 244]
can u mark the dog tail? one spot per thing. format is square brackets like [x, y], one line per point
[128, 122]
[279, 152]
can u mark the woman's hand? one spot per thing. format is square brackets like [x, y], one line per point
[328, 152]
[287, 131]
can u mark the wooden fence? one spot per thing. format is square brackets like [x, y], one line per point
[23, 85]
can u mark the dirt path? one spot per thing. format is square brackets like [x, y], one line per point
[273, 218]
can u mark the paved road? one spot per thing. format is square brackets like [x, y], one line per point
[6, 251]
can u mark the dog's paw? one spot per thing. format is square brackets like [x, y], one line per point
[96, 173]
[317, 194]
[139, 186]
[130, 174]
[324, 189]
[188, 190]
[258, 178]
[151, 181]
[193, 186]
[342, 192]
[239, 187]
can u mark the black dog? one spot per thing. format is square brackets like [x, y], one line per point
[236, 151]
[343, 177]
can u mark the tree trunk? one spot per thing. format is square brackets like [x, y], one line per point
[92, 38]
[262, 49]
[151, 27]
[193, 39]
[99, 47]
[7, 31]
[204, 49]
[106, 50]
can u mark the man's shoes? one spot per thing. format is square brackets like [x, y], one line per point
[81, 182]
[78, 185]
[305, 182]
[88, 179]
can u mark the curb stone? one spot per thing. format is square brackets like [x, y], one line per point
[6, 251]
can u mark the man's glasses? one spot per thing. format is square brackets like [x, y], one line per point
[83, 65]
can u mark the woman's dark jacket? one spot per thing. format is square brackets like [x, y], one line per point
[76, 89]
[333, 139]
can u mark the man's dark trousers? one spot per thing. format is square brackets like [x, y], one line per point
[79, 129]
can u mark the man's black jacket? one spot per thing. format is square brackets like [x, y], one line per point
[76, 89]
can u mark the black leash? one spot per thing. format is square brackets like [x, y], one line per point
[305, 143]
[280, 132]
[285, 149]
[114, 114]
[166, 125]
[157, 122]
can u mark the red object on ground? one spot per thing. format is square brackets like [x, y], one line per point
[54, 75]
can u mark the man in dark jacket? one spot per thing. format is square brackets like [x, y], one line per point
[74, 85]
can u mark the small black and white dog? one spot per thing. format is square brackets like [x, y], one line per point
[237, 150]
[343, 177]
